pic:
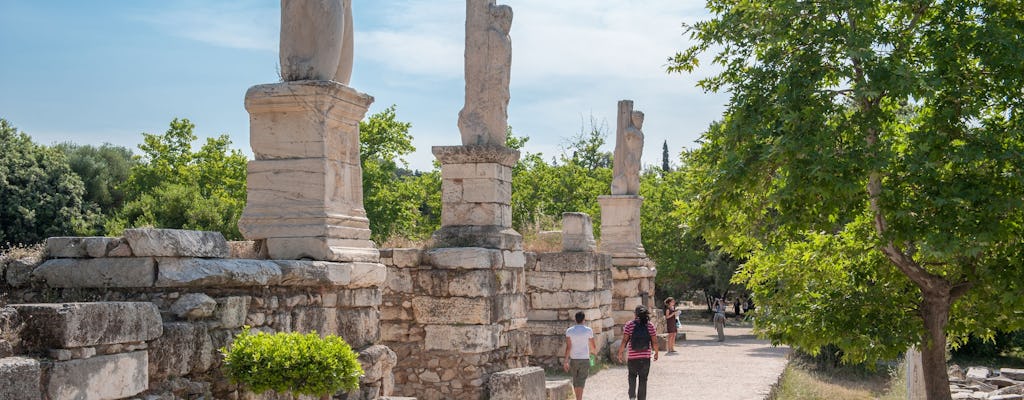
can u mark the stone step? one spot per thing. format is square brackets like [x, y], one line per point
[558, 389]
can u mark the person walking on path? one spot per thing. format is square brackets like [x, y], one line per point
[579, 348]
[671, 324]
[640, 336]
[720, 319]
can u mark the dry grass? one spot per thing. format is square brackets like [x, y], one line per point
[806, 381]
[21, 251]
[396, 242]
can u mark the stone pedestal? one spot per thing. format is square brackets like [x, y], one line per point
[476, 196]
[620, 226]
[632, 272]
[305, 195]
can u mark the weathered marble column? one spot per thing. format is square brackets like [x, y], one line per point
[632, 271]
[305, 195]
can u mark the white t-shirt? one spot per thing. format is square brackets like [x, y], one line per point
[580, 336]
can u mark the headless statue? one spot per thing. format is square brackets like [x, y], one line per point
[629, 146]
[316, 40]
[484, 118]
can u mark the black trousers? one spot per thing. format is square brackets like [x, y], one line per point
[638, 370]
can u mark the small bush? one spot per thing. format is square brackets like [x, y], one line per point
[301, 364]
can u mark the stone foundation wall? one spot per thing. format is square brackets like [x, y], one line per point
[200, 299]
[453, 316]
[558, 286]
[634, 285]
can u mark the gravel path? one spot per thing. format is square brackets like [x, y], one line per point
[741, 368]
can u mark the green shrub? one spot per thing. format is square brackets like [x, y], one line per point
[301, 364]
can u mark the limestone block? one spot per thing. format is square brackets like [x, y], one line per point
[250, 249]
[303, 119]
[484, 190]
[395, 332]
[184, 348]
[630, 303]
[97, 272]
[544, 281]
[978, 373]
[200, 272]
[315, 319]
[565, 300]
[366, 275]
[1016, 374]
[490, 236]
[353, 298]
[194, 306]
[464, 258]
[19, 378]
[509, 306]
[399, 280]
[583, 282]
[99, 247]
[452, 310]
[65, 247]
[577, 232]
[549, 328]
[322, 248]
[573, 262]
[68, 354]
[176, 243]
[542, 315]
[514, 258]
[462, 338]
[231, 311]
[622, 317]
[71, 325]
[629, 288]
[483, 170]
[474, 283]
[549, 345]
[642, 272]
[104, 377]
[323, 273]
[476, 154]
[632, 262]
[478, 214]
[19, 271]
[377, 362]
[518, 384]
[359, 327]
[406, 258]
[558, 389]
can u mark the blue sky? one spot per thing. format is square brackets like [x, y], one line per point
[104, 71]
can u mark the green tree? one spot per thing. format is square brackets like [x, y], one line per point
[172, 186]
[39, 194]
[398, 202]
[102, 169]
[665, 167]
[869, 164]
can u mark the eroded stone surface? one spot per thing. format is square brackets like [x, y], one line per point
[629, 145]
[488, 56]
[577, 232]
[19, 378]
[200, 272]
[517, 384]
[176, 243]
[193, 306]
[97, 272]
[462, 338]
[316, 40]
[71, 325]
[104, 377]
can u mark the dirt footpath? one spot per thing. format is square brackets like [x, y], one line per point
[741, 368]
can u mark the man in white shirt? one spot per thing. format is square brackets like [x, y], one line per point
[579, 345]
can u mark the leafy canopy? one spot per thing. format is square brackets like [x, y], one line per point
[871, 155]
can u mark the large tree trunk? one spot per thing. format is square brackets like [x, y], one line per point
[935, 313]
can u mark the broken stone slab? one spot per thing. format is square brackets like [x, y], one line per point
[1012, 373]
[558, 389]
[20, 378]
[491, 237]
[97, 272]
[322, 248]
[177, 243]
[1006, 397]
[231, 311]
[115, 376]
[978, 373]
[19, 271]
[98, 247]
[517, 384]
[326, 273]
[65, 247]
[577, 232]
[203, 272]
[194, 306]
[182, 349]
[377, 362]
[1001, 381]
[70, 325]
[463, 339]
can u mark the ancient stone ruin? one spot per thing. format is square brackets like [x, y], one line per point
[473, 317]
